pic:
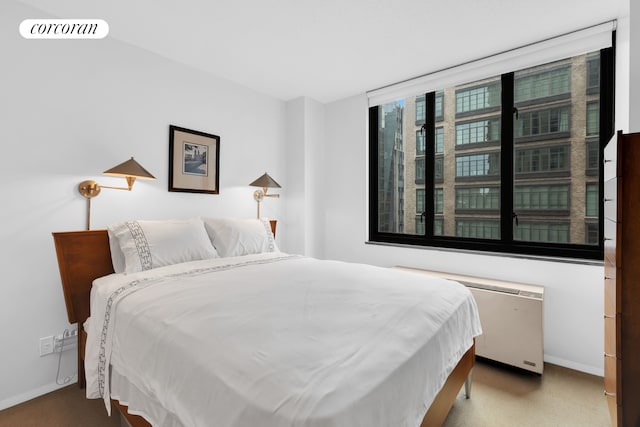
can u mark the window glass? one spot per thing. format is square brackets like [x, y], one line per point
[485, 198]
[543, 83]
[548, 195]
[542, 159]
[478, 131]
[476, 99]
[547, 168]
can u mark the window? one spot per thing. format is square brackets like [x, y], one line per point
[548, 83]
[439, 200]
[550, 232]
[593, 118]
[593, 74]
[499, 165]
[592, 156]
[591, 233]
[548, 122]
[439, 108]
[481, 198]
[420, 200]
[478, 131]
[420, 110]
[542, 159]
[476, 165]
[541, 197]
[420, 171]
[439, 140]
[420, 143]
[478, 98]
[591, 198]
[479, 229]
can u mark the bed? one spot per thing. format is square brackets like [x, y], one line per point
[264, 338]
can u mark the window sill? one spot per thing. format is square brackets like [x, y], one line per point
[563, 260]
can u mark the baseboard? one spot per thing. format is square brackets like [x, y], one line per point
[597, 371]
[31, 394]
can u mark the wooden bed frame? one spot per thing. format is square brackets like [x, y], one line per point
[85, 255]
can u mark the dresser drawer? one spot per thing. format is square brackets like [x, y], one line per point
[610, 242]
[612, 305]
[611, 376]
[610, 165]
[610, 335]
[611, 199]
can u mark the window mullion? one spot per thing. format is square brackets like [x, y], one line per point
[507, 211]
[430, 163]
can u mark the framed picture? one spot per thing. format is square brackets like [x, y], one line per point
[194, 161]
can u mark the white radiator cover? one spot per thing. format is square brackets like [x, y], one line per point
[512, 319]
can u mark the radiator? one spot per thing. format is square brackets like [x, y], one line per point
[511, 317]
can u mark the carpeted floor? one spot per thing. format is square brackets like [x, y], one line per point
[500, 396]
[505, 397]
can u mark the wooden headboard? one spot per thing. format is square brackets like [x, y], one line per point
[83, 256]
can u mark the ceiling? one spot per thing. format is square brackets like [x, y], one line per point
[331, 49]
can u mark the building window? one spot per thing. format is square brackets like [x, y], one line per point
[548, 232]
[591, 198]
[478, 229]
[502, 173]
[542, 197]
[593, 75]
[478, 98]
[478, 131]
[591, 233]
[542, 159]
[420, 200]
[439, 106]
[548, 122]
[438, 202]
[420, 170]
[593, 118]
[419, 225]
[480, 198]
[420, 142]
[438, 225]
[420, 110]
[592, 156]
[475, 165]
[438, 169]
[439, 140]
[543, 84]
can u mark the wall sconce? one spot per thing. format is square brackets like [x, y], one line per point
[265, 182]
[130, 170]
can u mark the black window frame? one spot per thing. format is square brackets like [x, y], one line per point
[506, 243]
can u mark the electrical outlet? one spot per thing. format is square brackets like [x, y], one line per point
[46, 345]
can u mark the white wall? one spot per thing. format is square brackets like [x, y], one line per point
[72, 109]
[305, 175]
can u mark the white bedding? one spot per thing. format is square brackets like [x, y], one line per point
[276, 340]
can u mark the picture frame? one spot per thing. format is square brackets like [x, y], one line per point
[194, 161]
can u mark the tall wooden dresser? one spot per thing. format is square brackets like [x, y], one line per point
[622, 278]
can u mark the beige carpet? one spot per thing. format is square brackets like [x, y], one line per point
[512, 398]
[499, 397]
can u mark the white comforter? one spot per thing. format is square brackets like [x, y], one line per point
[276, 340]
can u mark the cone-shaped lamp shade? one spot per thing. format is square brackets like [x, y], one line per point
[130, 168]
[265, 181]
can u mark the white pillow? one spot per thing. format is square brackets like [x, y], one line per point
[117, 257]
[236, 237]
[152, 244]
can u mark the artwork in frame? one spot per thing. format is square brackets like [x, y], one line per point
[194, 161]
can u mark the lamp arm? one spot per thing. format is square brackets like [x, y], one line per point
[115, 188]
